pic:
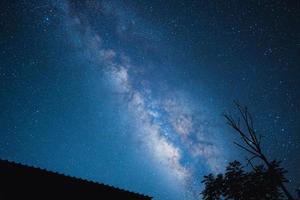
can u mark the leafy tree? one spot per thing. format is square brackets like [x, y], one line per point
[236, 183]
[265, 181]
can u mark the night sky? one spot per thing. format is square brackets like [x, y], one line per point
[131, 93]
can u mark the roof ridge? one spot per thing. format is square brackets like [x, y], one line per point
[67, 176]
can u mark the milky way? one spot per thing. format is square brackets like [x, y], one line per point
[167, 126]
[131, 93]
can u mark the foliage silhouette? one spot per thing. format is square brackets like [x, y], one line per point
[265, 181]
[236, 183]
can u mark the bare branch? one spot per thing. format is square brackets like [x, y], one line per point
[246, 149]
[231, 122]
[247, 120]
[249, 137]
[249, 161]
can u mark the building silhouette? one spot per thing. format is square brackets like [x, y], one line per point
[18, 181]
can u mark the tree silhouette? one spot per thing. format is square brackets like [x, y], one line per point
[265, 181]
[236, 183]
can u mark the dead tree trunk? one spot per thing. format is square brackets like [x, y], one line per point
[251, 143]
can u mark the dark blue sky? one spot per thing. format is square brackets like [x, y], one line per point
[131, 93]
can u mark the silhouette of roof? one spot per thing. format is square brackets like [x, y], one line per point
[19, 181]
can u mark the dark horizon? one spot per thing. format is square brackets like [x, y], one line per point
[19, 181]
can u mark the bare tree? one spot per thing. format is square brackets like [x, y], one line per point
[251, 141]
